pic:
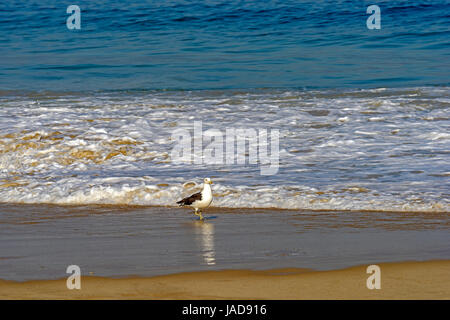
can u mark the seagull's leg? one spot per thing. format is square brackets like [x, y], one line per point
[196, 212]
[201, 217]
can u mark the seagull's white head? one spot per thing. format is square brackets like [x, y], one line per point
[207, 181]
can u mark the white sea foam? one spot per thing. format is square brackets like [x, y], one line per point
[357, 150]
[126, 191]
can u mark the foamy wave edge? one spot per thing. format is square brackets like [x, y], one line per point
[224, 197]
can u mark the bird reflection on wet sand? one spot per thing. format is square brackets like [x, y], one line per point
[204, 238]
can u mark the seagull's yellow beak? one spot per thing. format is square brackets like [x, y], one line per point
[210, 182]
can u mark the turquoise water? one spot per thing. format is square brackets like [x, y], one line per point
[222, 44]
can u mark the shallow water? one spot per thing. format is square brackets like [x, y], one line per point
[39, 242]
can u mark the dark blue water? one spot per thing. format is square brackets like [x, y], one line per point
[222, 44]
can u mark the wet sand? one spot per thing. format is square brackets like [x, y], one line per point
[162, 252]
[409, 280]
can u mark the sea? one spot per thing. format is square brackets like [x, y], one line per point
[91, 115]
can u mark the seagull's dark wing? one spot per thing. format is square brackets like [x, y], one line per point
[191, 199]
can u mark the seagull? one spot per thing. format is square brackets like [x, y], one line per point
[199, 200]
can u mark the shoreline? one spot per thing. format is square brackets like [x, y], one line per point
[399, 280]
[39, 242]
[212, 208]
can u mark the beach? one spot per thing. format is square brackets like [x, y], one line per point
[400, 281]
[165, 253]
[324, 130]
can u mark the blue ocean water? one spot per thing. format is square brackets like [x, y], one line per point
[222, 44]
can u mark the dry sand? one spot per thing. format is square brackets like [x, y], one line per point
[407, 280]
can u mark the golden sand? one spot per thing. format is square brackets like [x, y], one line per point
[407, 280]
